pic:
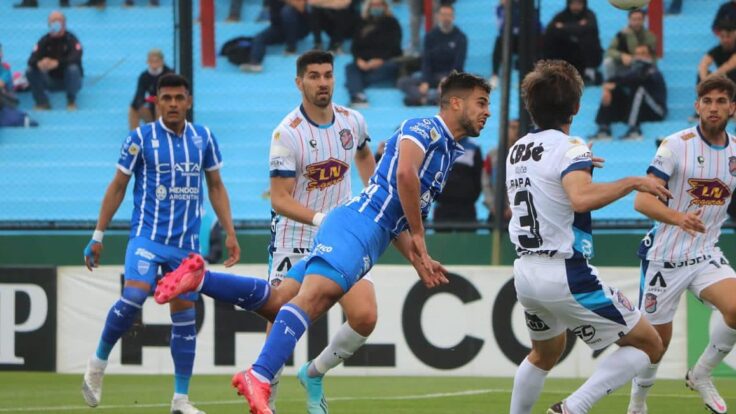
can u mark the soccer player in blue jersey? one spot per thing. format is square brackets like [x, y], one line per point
[168, 158]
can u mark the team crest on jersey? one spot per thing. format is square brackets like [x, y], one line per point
[134, 148]
[143, 267]
[161, 192]
[650, 303]
[325, 173]
[688, 135]
[624, 301]
[346, 139]
[197, 141]
[732, 165]
[708, 192]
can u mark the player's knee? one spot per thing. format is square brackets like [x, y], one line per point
[654, 348]
[134, 296]
[545, 355]
[729, 315]
[365, 322]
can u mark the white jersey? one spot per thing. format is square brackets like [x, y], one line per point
[699, 176]
[543, 221]
[319, 157]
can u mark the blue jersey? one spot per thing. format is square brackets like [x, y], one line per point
[380, 199]
[168, 173]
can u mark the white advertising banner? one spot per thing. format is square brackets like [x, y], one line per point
[471, 327]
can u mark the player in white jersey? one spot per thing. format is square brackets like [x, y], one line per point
[680, 253]
[311, 152]
[551, 193]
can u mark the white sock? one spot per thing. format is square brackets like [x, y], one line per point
[274, 389]
[722, 339]
[180, 397]
[642, 383]
[614, 371]
[528, 383]
[97, 363]
[341, 347]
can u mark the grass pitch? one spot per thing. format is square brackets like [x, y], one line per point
[142, 394]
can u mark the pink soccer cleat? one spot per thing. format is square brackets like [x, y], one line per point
[255, 391]
[185, 278]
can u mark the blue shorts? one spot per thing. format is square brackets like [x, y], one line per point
[345, 248]
[143, 257]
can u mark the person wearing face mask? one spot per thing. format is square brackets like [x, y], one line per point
[572, 35]
[445, 48]
[376, 42]
[144, 101]
[56, 64]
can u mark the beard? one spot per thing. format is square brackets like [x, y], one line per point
[467, 124]
[321, 101]
[713, 129]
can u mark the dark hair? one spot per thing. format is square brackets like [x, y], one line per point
[460, 81]
[172, 80]
[642, 11]
[310, 58]
[551, 93]
[716, 82]
[726, 24]
[446, 4]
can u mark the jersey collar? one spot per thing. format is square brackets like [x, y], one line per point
[163, 126]
[444, 126]
[324, 126]
[715, 147]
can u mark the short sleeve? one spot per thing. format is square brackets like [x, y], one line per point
[420, 131]
[577, 158]
[665, 161]
[212, 157]
[130, 152]
[362, 129]
[282, 157]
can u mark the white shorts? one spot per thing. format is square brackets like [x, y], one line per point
[282, 260]
[663, 283]
[559, 294]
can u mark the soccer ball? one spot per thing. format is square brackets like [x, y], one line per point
[629, 4]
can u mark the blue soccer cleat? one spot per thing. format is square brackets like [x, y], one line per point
[316, 402]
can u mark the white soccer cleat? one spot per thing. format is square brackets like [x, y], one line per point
[92, 382]
[637, 408]
[184, 406]
[638, 399]
[708, 392]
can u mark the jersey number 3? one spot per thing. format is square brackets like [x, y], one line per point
[529, 220]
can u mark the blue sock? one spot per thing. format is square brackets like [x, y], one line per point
[183, 345]
[249, 293]
[288, 327]
[119, 319]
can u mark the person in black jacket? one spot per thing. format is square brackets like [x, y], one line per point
[456, 204]
[376, 41]
[637, 95]
[727, 11]
[56, 64]
[143, 106]
[572, 35]
[445, 48]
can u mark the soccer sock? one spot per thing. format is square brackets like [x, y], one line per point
[288, 327]
[642, 383]
[528, 384]
[183, 345]
[722, 339]
[119, 319]
[274, 390]
[613, 372]
[342, 346]
[249, 293]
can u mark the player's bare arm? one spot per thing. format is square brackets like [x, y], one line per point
[704, 65]
[114, 195]
[404, 245]
[284, 203]
[366, 163]
[221, 204]
[653, 208]
[585, 195]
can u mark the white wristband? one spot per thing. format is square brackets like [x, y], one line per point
[98, 235]
[317, 219]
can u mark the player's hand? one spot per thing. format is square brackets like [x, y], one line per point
[597, 161]
[233, 250]
[652, 186]
[691, 222]
[92, 254]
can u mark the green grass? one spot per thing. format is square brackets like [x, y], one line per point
[54, 393]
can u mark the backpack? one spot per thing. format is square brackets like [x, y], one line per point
[237, 50]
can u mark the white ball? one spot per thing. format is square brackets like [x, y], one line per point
[629, 4]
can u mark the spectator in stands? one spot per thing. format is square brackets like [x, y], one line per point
[10, 115]
[56, 64]
[572, 35]
[456, 204]
[621, 50]
[416, 17]
[289, 23]
[333, 17]
[445, 48]
[498, 45]
[488, 179]
[376, 41]
[722, 56]
[34, 3]
[637, 95]
[143, 107]
[126, 3]
[727, 11]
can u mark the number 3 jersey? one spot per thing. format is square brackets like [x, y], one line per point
[543, 221]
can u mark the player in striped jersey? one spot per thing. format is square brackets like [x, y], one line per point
[681, 253]
[168, 158]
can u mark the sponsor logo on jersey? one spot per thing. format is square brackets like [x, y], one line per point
[322, 248]
[525, 152]
[650, 303]
[534, 323]
[346, 139]
[732, 165]
[686, 136]
[674, 265]
[144, 253]
[326, 173]
[184, 169]
[708, 192]
[183, 193]
[295, 123]
[134, 148]
[624, 301]
[197, 141]
[586, 333]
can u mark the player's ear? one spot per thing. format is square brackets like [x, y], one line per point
[299, 83]
[576, 109]
[189, 101]
[732, 109]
